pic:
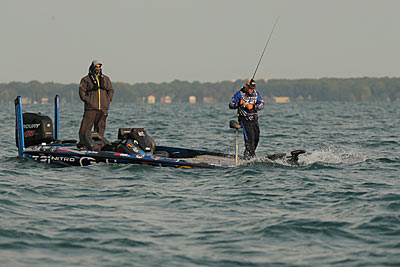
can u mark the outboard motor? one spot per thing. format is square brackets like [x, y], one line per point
[38, 129]
[135, 141]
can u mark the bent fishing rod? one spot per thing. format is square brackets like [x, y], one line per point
[265, 47]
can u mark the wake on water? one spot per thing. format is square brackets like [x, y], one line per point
[334, 156]
[325, 156]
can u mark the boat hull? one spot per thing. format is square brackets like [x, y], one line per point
[72, 156]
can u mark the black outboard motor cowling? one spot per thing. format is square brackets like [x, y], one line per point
[38, 129]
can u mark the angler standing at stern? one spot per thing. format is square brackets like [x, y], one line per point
[96, 91]
[248, 101]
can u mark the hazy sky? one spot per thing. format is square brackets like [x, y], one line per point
[202, 40]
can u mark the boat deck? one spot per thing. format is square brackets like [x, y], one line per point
[211, 159]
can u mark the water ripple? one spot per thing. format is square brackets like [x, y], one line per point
[339, 207]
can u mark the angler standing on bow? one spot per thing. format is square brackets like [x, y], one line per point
[248, 101]
[96, 91]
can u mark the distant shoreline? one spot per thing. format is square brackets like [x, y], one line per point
[362, 89]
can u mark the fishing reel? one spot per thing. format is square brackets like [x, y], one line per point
[248, 102]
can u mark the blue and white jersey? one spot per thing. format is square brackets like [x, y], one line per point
[253, 98]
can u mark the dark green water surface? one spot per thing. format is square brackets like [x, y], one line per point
[341, 207]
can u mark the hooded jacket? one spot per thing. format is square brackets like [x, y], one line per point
[96, 93]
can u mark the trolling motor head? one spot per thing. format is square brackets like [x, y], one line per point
[293, 159]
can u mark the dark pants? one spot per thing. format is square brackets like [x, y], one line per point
[96, 118]
[251, 133]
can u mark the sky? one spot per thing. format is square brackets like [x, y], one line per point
[198, 40]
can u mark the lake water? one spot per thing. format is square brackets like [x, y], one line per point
[340, 207]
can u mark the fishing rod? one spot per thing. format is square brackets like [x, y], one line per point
[265, 47]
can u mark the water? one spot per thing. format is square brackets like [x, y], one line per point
[340, 207]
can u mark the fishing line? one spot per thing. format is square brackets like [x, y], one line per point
[265, 47]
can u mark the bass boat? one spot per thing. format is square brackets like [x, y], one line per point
[37, 138]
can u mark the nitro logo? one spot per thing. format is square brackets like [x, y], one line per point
[49, 159]
[31, 126]
[65, 159]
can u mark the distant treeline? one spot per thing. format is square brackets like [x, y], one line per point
[324, 89]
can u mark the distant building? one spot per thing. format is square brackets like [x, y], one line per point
[166, 99]
[26, 100]
[151, 99]
[209, 99]
[192, 99]
[281, 99]
[44, 100]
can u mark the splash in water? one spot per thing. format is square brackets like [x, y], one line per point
[333, 156]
